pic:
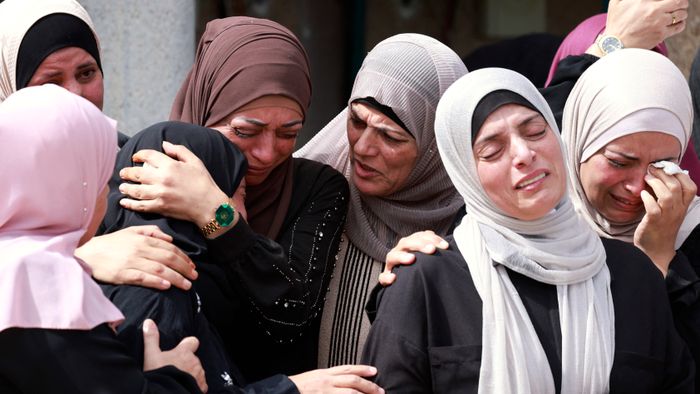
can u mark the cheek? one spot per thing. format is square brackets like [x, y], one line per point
[285, 147]
[94, 91]
[492, 180]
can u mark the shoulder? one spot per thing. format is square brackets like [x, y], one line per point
[629, 266]
[309, 174]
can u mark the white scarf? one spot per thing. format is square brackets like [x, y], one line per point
[629, 91]
[558, 249]
[409, 73]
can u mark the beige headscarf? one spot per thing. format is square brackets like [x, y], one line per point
[623, 93]
[409, 73]
[557, 249]
[16, 18]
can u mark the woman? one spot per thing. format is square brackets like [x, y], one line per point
[527, 298]
[618, 122]
[53, 317]
[579, 41]
[54, 41]
[384, 143]
[250, 81]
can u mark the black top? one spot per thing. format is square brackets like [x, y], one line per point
[568, 72]
[79, 361]
[265, 297]
[428, 332]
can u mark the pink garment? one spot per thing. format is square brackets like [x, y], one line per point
[57, 153]
[582, 37]
[578, 41]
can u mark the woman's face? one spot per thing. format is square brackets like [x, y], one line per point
[97, 216]
[265, 135]
[613, 178]
[519, 162]
[382, 153]
[73, 69]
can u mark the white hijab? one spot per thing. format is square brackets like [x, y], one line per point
[409, 73]
[16, 18]
[557, 249]
[626, 92]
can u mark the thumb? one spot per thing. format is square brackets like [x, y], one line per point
[189, 344]
[151, 338]
[179, 152]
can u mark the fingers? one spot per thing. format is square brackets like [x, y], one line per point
[150, 231]
[359, 370]
[689, 188]
[152, 157]
[151, 338]
[189, 344]
[179, 152]
[387, 278]
[650, 206]
[354, 383]
[423, 241]
[667, 188]
[139, 191]
[191, 363]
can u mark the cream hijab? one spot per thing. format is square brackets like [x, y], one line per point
[623, 93]
[16, 18]
[557, 249]
[54, 167]
[409, 73]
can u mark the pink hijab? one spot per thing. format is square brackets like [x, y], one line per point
[53, 168]
[578, 41]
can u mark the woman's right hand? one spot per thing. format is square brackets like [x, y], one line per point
[402, 254]
[181, 357]
[645, 23]
[340, 379]
[139, 255]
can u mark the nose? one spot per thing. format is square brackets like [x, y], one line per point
[366, 144]
[264, 150]
[522, 153]
[73, 86]
[635, 182]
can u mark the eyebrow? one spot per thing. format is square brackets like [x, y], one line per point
[260, 123]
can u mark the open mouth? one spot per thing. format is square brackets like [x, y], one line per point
[631, 205]
[363, 170]
[531, 181]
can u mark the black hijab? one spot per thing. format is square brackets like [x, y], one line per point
[694, 82]
[224, 161]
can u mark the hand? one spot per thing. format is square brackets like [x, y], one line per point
[340, 379]
[239, 200]
[657, 232]
[645, 23]
[175, 184]
[181, 357]
[424, 241]
[139, 255]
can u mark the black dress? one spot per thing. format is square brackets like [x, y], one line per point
[265, 297]
[428, 330]
[79, 361]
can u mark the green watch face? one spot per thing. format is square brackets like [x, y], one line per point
[224, 215]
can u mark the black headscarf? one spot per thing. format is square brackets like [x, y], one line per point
[493, 101]
[694, 82]
[224, 161]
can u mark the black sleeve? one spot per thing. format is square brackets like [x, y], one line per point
[283, 282]
[393, 343]
[122, 139]
[79, 361]
[568, 72]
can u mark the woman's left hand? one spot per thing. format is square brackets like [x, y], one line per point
[175, 184]
[657, 232]
[423, 241]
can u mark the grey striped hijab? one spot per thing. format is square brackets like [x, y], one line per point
[409, 73]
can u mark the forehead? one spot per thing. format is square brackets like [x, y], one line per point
[646, 143]
[67, 57]
[509, 115]
[374, 117]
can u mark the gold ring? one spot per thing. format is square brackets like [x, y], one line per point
[673, 20]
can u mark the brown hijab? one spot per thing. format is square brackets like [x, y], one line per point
[240, 59]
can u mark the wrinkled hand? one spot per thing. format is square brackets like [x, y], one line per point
[645, 23]
[340, 379]
[139, 255]
[423, 241]
[657, 232]
[182, 356]
[175, 184]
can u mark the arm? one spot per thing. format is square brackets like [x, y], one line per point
[284, 280]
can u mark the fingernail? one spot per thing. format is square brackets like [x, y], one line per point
[167, 143]
[444, 244]
[146, 326]
[381, 390]
[122, 173]
[122, 187]
[194, 274]
[372, 370]
[165, 284]
[187, 284]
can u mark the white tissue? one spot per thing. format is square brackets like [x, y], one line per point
[670, 168]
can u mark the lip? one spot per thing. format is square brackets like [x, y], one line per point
[256, 170]
[538, 176]
[363, 170]
[626, 204]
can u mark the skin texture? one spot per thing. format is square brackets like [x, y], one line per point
[266, 135]
[514, 146]
[622, 186]
[383, 153]
[73, 69]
